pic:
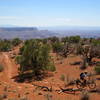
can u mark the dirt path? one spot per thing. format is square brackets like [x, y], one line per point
[9, 65]
[10, 69]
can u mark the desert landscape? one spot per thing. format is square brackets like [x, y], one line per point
[49, 49]
[57, 85]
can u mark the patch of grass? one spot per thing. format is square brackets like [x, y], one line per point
[1, 68]
[51, 67]
[97, 69]
[98, 63]
[62, 77]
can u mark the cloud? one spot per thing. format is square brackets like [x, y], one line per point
[63, 19]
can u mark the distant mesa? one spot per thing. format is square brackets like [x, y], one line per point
[19, 29]
[34, 32]
[24, 33]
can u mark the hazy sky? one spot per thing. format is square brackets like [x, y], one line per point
[50, 12]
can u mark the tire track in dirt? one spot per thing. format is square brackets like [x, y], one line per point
[9, 66]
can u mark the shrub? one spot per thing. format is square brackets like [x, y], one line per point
[16, 41]
[96, 42]
[97, 69]
[53, 39]
[64, 40]
[1, 68]
[35, 58]
[62, 77]
[57, 47]
[18, 59]
[74, 39]
[5, 45]
[98, 63]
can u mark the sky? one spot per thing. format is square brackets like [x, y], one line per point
[50, 12]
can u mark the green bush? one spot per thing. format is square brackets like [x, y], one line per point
[98, 63]
[35, 58]
[74, 39]
[57, 47]
[1, 68]
[97, 69]
[96, 42]
[18, 59]
[51, 67]
[64, 40]
[16, 41]
[5, 45]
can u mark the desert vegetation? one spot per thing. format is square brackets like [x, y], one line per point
[34, 58]
[97, 69]
[37, 61]
[7, 45]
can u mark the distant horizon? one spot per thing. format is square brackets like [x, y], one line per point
[58, 27]
[13, 25]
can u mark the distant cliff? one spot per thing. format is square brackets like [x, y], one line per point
[25, 33]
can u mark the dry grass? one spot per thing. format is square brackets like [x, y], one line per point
[85, 96]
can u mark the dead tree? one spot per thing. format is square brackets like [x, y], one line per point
[67, 50]
[88, 52]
